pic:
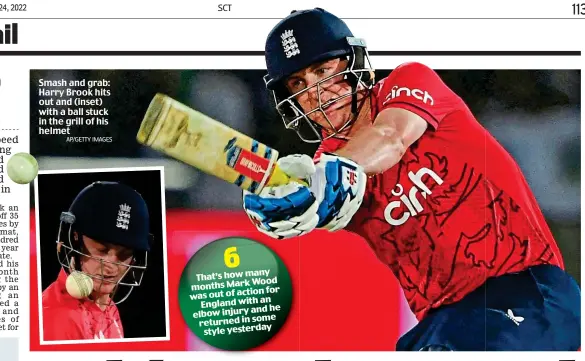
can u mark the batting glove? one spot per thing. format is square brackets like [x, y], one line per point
[283, 211]
[337, 183]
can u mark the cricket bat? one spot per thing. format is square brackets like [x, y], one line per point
[209, 145]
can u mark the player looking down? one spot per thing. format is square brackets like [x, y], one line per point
[404, 164]
[105, 236]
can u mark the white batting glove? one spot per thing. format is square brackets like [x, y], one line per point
[338, 184]
[284, 211]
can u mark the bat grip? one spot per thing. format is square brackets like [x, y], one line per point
[279, 178]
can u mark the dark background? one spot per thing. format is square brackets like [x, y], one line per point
[533, 91]
[143, 312]
[535, 114]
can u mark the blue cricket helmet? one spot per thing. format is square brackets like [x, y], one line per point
[303, 38]
[107, 212]
[300, 40]
[114, 213]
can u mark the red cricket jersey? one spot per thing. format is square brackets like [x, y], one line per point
[456, 209]
[67, 318]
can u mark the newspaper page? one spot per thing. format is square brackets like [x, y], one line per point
[308, 180]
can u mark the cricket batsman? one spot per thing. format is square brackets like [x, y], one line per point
[403, 163]
[104, 236]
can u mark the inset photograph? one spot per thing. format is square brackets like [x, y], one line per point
[102, 262]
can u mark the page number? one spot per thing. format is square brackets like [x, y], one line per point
[579, 9]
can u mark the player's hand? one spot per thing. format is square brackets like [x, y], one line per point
[283, 211]
[338, 184]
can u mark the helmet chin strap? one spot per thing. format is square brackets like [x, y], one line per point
[358, 63]
[355, 113]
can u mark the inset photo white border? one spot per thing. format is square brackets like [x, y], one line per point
[164, 255]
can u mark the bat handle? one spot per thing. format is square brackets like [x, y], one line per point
[279, 178]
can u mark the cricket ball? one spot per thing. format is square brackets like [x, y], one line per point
[79, 285]
[22, 168]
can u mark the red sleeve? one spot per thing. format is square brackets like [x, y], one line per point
[419, 89]
[322, 148]
[327, 146]
[61, 324]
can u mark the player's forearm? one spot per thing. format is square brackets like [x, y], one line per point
[375, 148]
